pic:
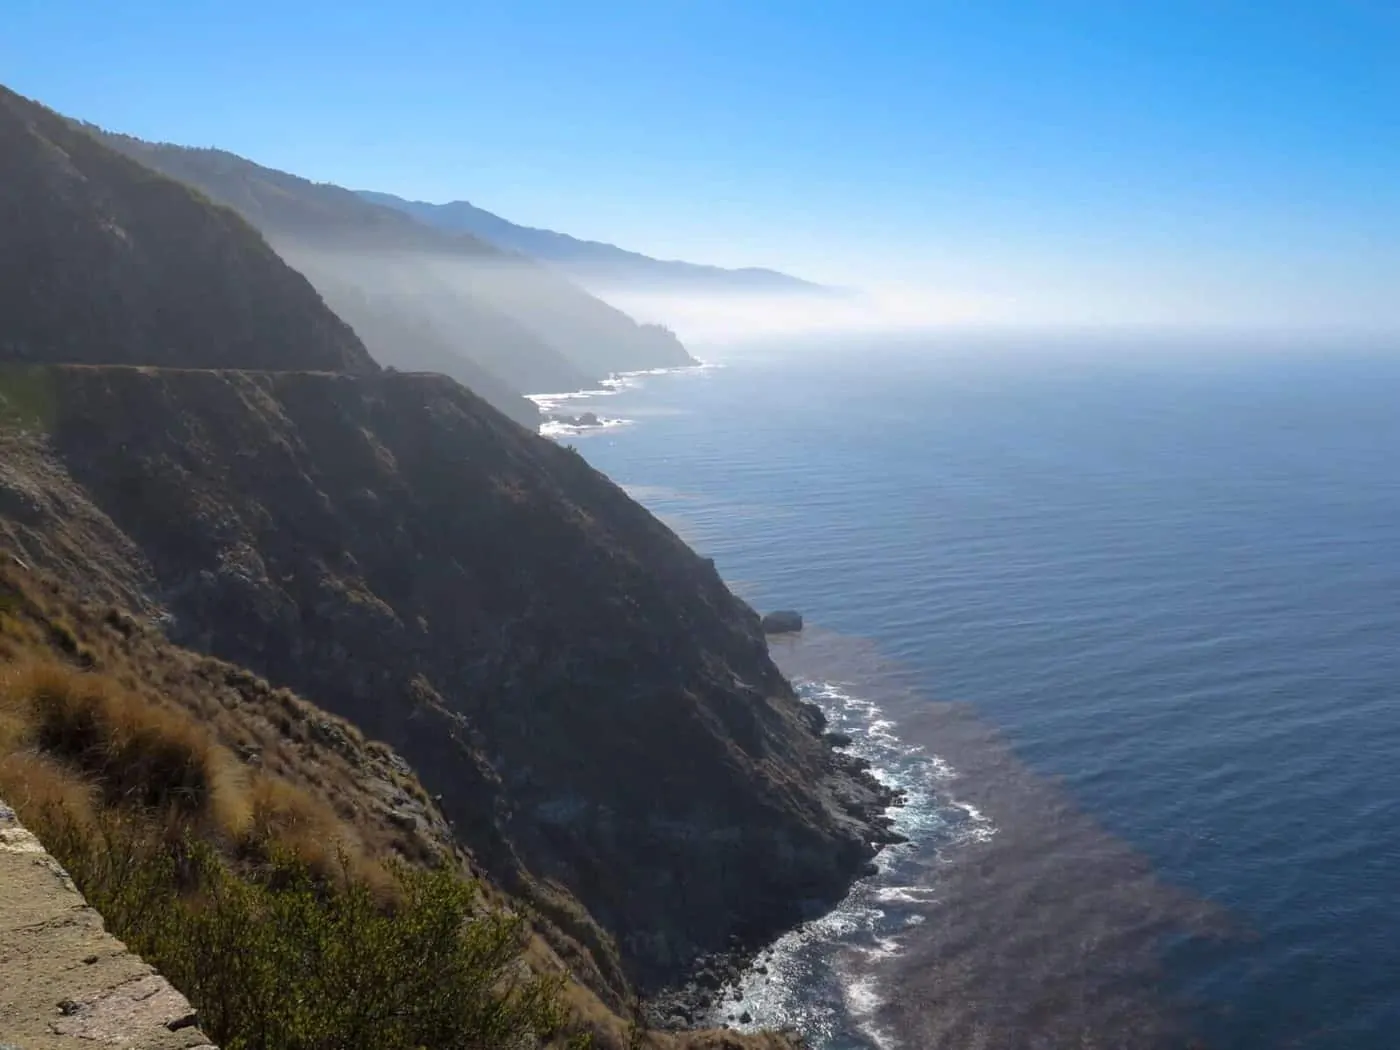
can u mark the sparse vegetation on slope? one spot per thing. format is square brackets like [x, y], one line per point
[245, 889]
[275, 956]
[243, 842]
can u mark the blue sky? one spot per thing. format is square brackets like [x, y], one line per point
[1121, 160]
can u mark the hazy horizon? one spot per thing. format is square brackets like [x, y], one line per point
[1024, 163]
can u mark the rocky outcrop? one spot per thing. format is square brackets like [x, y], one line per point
[67, 982]
[583, 420]
[782, 621]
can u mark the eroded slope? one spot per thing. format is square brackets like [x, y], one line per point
[593, 704]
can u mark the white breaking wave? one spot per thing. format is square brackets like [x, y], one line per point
[616, 383]
[569, 402]
[816, 978]
[863, 1002]
[557, 428]
[907, 894]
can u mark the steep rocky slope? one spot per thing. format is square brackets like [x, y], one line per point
[414, 296]
[102, 260]
[407, 337]
[520, 321]
[595, 707]
[595, 712]
[277, 765]
[365, 794]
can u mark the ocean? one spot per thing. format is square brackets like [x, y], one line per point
[1122, 614]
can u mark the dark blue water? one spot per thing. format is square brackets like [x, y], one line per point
[1170, 576]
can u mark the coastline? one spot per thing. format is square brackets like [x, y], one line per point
[1010, 917]
[1046, 928]
[697, 1002]
[551, 405]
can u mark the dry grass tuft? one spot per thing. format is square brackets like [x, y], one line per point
[306, 826]
[34, 783]
[137, 751]
[105, 696]
[65, 734]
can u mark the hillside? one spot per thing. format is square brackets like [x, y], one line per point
[594, 264]
[94, 700]
[103, 261]
[592, 714]
[521, 322]
[592, 703]
[408, 336]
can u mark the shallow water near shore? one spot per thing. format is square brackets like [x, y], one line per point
[1010, 919]
[1123, 618]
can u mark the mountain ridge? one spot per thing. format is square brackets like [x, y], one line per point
[83, 223]
[596, 264]
[429, 300]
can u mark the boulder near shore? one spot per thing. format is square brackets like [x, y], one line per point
[782, 621]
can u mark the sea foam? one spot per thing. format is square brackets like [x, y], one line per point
[818, 978]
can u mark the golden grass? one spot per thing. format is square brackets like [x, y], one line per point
[34, 783]
[69, 735]
[136, 751]
[99, 715]
[148, 725]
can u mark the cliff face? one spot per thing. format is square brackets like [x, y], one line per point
[101, 260]
[594, 705]
[520, 321]
[413, 296]
[384, 318]
[596, 711]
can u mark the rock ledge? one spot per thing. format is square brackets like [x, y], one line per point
[68, 983]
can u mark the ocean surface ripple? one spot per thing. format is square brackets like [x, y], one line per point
[1136, 606]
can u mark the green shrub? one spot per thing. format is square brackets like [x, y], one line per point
[26, 397]
[278, 959]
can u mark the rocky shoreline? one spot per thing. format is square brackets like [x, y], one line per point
[584, 420]
[695, 1002]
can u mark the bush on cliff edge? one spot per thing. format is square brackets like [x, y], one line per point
[196, 866]
[279, 959]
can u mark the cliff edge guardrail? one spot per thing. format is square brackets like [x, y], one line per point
[65, 982]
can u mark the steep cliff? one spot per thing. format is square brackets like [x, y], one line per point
[101, 260]
[595, 712]
[254, 763]
[594, 705]
[411, 338]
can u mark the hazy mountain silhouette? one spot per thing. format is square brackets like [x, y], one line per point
[594, 264]
[422, 297]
